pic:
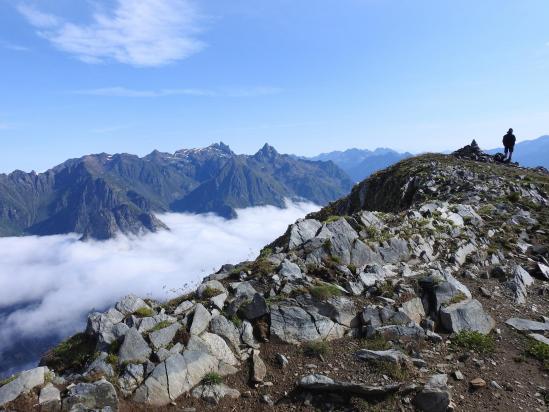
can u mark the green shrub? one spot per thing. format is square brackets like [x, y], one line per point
[209, 292]
[72, 354]
[324, 292]
[513, 197]
[331, 219]
[352, 269]
[335, 259]
[7, 380]
[459, 297]
[392, 370]
[262, 267]
[316, 349]
[212, 378]
[160, 325]
[112, 359]
[143, 312]
[540, 351]
[266, 252]
[475, 341]
[376, 342]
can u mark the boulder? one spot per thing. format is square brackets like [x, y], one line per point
[243, 290]
[218, 348]
[49, 398]
[201, 320]
[175, 376]
[292, 324]
[100, 366]
[247, 335]
[460, 256]
[162, 337]
[134, 349]
[323, 383]
[390, 355]
[539, 338]
[290, 271]
[131, 378]
[102, 326]
[466, 315]
[100, 395]
[395, 250]
[130, 304]
[183, 307]
[259, 370]
[303, 231]
[223, 327]
[526, 325]
[435, 396]
[256, 308]
[210, 286]
[413, 309]
[23, 383]
[214, 393]
[219, 300]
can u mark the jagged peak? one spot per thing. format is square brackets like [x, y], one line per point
[266, 152]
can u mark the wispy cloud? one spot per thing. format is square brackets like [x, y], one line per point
[12, 46]
[143, 33]
[229, 92]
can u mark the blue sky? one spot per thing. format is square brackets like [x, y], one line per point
[308, 76]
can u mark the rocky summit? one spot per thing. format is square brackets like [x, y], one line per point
[425, 289]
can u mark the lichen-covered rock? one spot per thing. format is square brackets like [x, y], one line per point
[100, 395]
[134, 348]
[23, 383]
[435, 396]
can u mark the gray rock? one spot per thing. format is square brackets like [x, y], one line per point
[411, 330]
[184, 307]
[102, 325]
[99, 395]
[290, 271]
[218, 348]
[214, 393]
[543, 271]
[210, 285]
[201, 320]
[146, 324]
[371, 316]
[539, 338]
[134, 349]
[519, 282]
[292, 324]
[130, 304]
[243, 289]
[247, 335]
[162, 337]
[466, 315]
[435, 396]
[461, 254]
[49, 394]
[282, 360]
[390, 355]
[223, 327]
[256, 308]
[394, 251]
[259, 370]
[339, 309]
[25, 382]
[131, 378]
[413, 309]
[528, 325]
[325, 384]
[219, 300]
[100, 365]
[175, 376]
[303, 231]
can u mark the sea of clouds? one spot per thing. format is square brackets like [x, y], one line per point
[49, 284]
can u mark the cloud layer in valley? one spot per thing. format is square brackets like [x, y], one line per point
[143, 33]
[49, 284]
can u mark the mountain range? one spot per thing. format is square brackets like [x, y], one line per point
[100, 195]
[359, 164]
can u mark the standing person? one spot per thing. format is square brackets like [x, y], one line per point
[509, 144]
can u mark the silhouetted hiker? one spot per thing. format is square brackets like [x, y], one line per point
[509, 144]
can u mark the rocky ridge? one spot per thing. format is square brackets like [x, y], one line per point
[428, 281]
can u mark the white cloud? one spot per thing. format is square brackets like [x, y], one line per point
[140, 33]
[229, 92]
[64, 278]
[12, 46]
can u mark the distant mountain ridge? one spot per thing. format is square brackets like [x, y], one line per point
[361, 163]
[100, 195]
